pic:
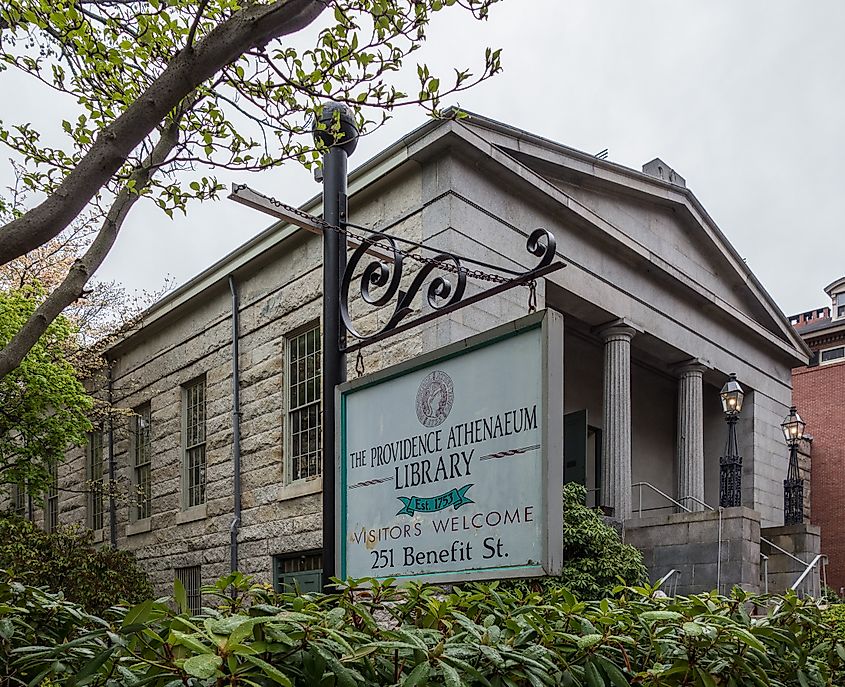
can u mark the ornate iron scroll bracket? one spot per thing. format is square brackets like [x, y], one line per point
[379, 283]
[385, 269]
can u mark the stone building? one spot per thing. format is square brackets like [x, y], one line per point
[819, 393]
[658, 309]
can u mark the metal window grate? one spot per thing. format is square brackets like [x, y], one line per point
[142, 459]
[191, 578]
[95, 480]
[304, 407]
[195, 442]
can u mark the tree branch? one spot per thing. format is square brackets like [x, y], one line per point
[71, 287]
[254, 25]
[195, 24]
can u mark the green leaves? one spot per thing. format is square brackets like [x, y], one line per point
[66, 560]
[253, 113]
[653, 616]
[418, 676]
[202, 665]
[477, 635]
[180, 596]
[44, 405]
[595, 557]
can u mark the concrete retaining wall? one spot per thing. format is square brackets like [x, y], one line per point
[803, 542]
[706, 555]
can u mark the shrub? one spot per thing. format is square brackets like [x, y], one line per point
[595, 557]
[480, 634]
[67, 561]
[835, 617]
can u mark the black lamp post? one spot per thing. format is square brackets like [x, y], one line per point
[337, 130]
[793, 485]
[730, 464]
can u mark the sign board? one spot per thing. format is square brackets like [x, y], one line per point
[450, 465]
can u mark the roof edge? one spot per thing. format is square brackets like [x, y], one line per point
[277, 232]
[833, 287]
[736, 259]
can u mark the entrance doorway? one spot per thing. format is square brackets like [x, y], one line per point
[582, 454]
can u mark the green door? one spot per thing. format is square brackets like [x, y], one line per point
[575, 447]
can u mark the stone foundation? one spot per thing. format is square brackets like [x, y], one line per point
[706, 555]
[802, 542]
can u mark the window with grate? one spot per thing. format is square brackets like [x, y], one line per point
[141, 462]
[304, 381]
[17, 496]
[95, 480]
[298, 572]
[193, 396]
[191, 580]
[51, 510]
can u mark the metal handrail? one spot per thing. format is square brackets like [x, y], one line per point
[807, 570]
[698, 501]
[808, 567]
[671, 573]
[666, 496]
[657, 491]
[783, 551]
[764, 559]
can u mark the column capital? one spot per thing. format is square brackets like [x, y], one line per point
[692, 366]
[622, 328]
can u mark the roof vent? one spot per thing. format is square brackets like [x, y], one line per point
[658, 168]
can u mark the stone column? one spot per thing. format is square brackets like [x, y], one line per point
[616, 437]
[690, 435]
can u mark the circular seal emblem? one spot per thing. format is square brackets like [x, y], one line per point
[434, 398]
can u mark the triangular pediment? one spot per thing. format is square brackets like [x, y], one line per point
[660, 217]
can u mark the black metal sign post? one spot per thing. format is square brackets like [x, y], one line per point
[334, 334]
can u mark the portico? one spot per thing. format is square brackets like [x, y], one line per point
[646, 421]
[659, 309]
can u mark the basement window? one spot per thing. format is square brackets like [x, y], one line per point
[298, 572]
[832, 355]
[191, 579]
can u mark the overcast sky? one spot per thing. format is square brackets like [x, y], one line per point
[745, 99]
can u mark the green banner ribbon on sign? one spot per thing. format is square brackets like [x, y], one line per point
[432, 504]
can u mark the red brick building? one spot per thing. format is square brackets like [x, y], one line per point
[819, 394]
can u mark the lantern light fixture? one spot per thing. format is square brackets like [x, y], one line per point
[793, 427]
[732, 395]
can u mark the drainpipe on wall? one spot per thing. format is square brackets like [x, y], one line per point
[236, 431]
[112, 476]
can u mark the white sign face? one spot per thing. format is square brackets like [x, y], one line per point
[443, 469]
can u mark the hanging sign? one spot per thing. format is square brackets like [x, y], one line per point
[450, 465]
